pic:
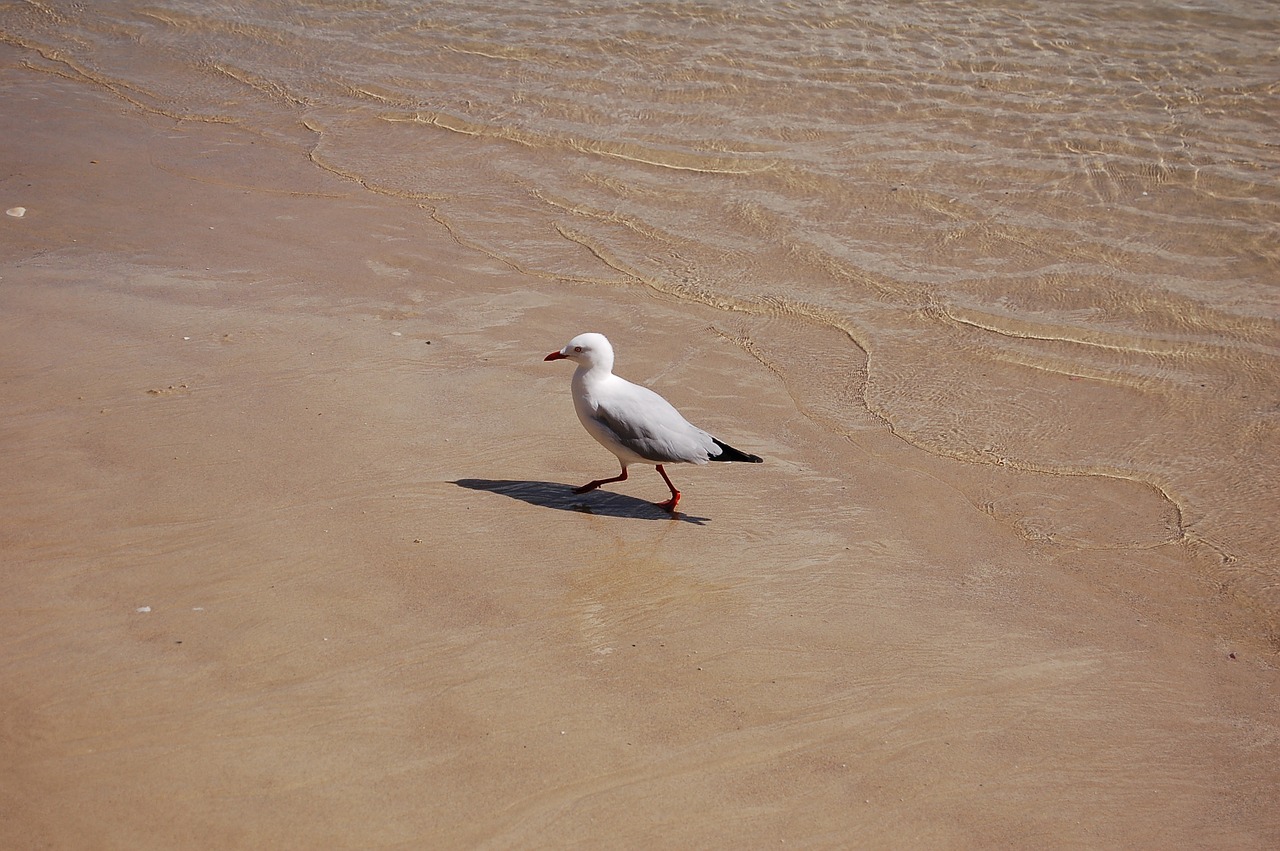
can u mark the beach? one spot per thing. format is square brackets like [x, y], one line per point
[292, 557]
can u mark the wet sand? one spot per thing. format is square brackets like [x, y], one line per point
[292, 558]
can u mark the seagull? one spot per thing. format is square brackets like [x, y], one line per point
[633, 422]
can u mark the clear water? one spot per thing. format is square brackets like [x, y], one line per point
[1030, 234]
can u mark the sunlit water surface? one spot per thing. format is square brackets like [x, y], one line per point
[1052, 228]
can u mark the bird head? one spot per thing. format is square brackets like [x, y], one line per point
[587, 351]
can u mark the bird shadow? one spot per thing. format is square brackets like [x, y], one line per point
[562, 498]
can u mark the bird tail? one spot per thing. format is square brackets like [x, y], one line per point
[728, 453]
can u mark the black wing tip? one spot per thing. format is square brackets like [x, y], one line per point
[728, 453]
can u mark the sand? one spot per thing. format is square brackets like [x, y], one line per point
[291, 558]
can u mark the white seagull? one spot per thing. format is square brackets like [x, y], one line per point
[633, 422]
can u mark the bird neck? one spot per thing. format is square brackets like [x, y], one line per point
[592, 374]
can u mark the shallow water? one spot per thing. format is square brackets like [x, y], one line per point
[1017, 234]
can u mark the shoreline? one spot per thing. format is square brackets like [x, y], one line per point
[243, 396]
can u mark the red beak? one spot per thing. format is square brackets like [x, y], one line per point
[554, 356]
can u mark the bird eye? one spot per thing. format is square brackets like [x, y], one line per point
[577, 348]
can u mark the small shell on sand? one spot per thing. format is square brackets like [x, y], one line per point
[16, 212]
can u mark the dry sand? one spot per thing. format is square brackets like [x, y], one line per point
[291, 558]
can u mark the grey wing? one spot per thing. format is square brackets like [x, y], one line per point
[658, 433]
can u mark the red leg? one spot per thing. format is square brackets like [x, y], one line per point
[669, 505]
[590, 486]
